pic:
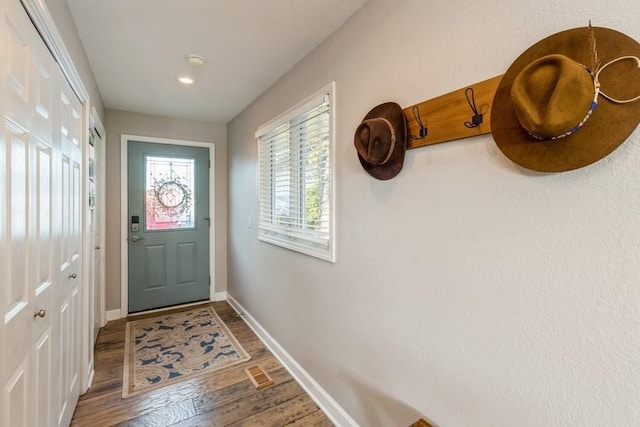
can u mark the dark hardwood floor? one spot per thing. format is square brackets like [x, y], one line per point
[221, 398]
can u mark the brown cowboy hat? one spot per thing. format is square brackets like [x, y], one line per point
[543, 116]
[381, 141]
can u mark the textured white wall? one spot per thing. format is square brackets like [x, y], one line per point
[59, 10]
[467, 289]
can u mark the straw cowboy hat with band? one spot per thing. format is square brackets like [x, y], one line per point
[381, 141]
[557, 108]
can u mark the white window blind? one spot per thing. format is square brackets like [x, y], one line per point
[296, 179]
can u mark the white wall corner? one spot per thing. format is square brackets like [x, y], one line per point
[329, 406]
[113, 314]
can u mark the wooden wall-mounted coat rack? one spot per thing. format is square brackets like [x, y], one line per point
[460, 114]
[444, 117]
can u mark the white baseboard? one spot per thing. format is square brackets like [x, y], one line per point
[329, 406]
[90, 373]
[113, 315]
[220, 296]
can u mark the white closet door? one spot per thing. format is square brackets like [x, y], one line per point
[69, 262]
[40, 228]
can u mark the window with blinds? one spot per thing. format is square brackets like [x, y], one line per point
[296, 178]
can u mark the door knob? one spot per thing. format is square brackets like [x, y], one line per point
[135, 239]
[40, 313]
[73, 276]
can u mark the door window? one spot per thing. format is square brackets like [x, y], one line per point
[169, 193]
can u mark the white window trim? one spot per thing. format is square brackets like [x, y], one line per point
[330, 253]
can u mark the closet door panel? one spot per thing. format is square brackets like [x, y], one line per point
[40, 229]
[70, 135]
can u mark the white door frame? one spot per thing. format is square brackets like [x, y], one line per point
[101, 191]
[99, 283]
[124, 208]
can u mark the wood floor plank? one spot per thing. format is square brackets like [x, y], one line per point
[314, 419]
[88, 408]
[225, 396]
[244, 390]
[112, 355]
[101, 388]
[202, 420]
[108, 373]
[163, 417]
[281, 414]
[257, 403]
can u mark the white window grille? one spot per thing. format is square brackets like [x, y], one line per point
[296, 197]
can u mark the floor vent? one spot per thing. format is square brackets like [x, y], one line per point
[258, 377]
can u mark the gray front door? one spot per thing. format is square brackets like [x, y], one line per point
[168, 225]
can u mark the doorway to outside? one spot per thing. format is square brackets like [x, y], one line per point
[167, 195]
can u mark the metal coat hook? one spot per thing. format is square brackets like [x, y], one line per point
[445, 114]
[476, 119]
[423, 128]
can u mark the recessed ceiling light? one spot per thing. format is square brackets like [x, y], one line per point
[185, 80]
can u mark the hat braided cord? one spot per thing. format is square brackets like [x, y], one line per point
[618, 101]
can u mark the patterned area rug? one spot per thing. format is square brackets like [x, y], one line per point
[166, 349]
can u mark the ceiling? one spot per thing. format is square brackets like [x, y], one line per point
[137, 48]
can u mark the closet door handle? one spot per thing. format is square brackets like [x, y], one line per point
[73, 276]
